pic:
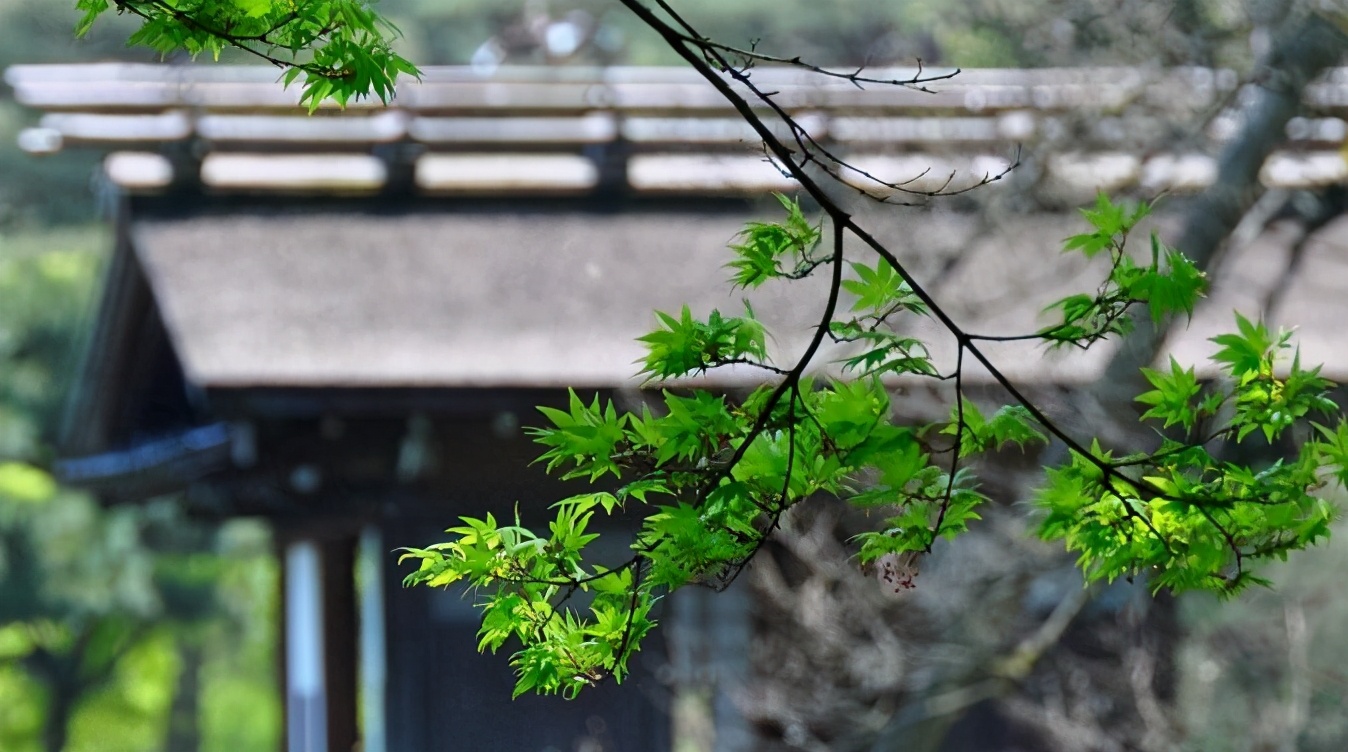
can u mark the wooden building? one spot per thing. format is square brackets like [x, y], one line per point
[340, 322]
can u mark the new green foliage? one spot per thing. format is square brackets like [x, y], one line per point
[1183, 514]
[338, 49]
[1168, 284]
[764, 247]
[684, 345]
[709, 477]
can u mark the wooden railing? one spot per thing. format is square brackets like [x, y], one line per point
[564, 130]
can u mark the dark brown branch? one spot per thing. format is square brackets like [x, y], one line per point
[843, 219]
[960, 428]
[915, 82]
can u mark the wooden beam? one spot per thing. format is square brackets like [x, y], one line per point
[591, 128]
[1329, 131]
[506, 173]
[380, 128]
[1307, 170]
[79, 127]
[713, 130]
[1011, 127]
[323, 173]
[1181, 173]
[705, 174]
[139, 171]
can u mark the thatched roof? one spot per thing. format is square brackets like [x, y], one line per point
[554, 298]
[496, 299]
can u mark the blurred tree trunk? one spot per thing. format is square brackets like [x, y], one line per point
[77, 670]
[184, 732]
[1303, 48]
[56, 723]
[59, 672]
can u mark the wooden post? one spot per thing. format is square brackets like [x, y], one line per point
[339, 639]
[320, 644]
[373, 647]
[305, 691]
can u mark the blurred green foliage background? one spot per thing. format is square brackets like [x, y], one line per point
[122, 629]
